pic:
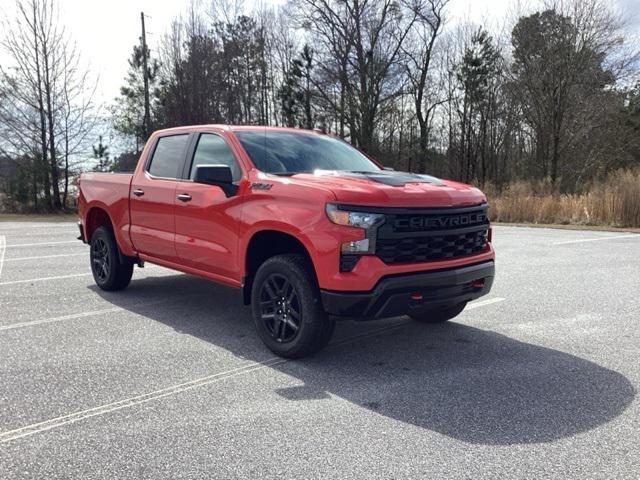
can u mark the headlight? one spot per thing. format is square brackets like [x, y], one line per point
[353, 219]
[367, 221]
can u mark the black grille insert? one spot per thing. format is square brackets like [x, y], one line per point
[422, 235]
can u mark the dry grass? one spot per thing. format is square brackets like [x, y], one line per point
[614, 202]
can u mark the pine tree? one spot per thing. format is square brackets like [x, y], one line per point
[101, 154]
[128, 112]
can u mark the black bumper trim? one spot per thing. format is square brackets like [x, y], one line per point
[392, 296]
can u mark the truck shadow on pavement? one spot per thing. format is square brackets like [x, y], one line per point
[470, 384]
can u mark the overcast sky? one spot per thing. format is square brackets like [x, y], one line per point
[105, 31]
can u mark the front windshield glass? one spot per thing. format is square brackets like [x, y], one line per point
[288, 153]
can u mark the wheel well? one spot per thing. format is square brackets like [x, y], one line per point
[264, 245]
[96, 218]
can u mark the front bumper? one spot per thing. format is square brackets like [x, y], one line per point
[396, 295]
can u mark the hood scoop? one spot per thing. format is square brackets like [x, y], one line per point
[386, 177]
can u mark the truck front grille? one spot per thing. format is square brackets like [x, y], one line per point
[423, 235]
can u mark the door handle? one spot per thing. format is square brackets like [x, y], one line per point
[184, 197]
[138, 192]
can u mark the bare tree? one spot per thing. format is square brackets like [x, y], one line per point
[427, 89]
[362, 42]
[564, 58]
[42, 89]
[52, 44]
[77, 114]
[23, 110]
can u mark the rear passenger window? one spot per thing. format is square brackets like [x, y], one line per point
[168, 155]
[213, 150]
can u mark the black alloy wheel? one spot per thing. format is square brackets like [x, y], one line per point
[100, 260]
[280, 308]
[111, 270]
[287, 308]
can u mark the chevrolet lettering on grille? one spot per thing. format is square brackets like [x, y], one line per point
[444, 221]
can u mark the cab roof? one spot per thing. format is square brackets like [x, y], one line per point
[236, 128]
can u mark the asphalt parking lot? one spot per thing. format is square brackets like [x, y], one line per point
[168, 380]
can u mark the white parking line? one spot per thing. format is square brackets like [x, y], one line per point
[133, 401]
[151, 267]
[484, 303]
[43, 243]
[44, 225]
[599, 239]
[59, 319]
[45, 256]
[60, 277]
[74, 316]
[182, 387]
[44, 279]
[3, 247]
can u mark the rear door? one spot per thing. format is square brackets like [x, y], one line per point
[152, 196]
[206, 219]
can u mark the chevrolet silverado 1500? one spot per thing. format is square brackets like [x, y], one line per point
[306, 226]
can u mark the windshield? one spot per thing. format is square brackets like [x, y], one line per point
[289, 153]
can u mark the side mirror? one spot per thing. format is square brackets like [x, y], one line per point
[218, 175]
[389, 169]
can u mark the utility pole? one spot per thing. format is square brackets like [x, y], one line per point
[147, 116]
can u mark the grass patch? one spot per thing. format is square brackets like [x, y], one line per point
[614, 202]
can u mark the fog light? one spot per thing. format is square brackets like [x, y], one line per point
[356, 246]
[478, 283]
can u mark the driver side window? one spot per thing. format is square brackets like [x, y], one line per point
[213, 150]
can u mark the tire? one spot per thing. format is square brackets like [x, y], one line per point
[440, 315]
[109, 271]
[297, 326]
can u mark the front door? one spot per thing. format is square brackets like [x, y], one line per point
[205, 218]
[152, 196]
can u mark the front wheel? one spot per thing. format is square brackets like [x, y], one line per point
[109, 272]
[287, 309]
[439, 315]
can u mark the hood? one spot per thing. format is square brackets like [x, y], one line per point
[392, 189]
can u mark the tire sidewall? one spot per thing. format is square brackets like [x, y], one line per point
[311, 312]
[106, 235]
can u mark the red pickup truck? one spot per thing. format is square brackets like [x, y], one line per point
[308, 227]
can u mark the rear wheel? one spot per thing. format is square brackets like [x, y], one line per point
[110, 272]
[287, 309]
[439, 315]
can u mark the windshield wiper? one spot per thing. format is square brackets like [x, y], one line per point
[284, 174]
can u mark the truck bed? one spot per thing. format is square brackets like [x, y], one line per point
[110, 191]
[108, 187]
